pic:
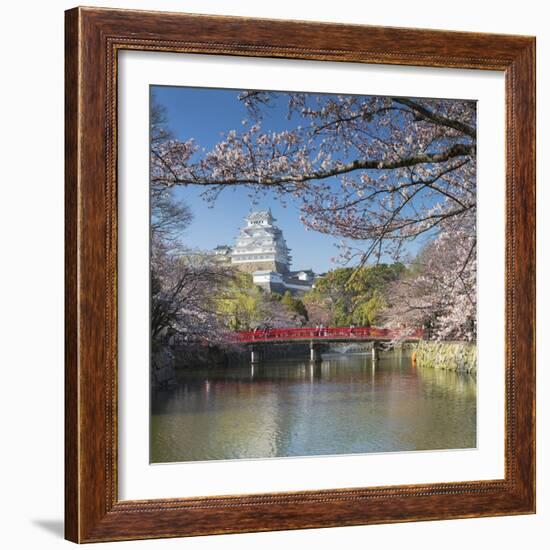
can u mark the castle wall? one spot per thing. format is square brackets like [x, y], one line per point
[279, 288]
[267, 265]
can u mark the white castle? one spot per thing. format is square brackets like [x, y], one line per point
[261, 250]
[260, 245]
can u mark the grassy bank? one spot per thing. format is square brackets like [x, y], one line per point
[457, 356]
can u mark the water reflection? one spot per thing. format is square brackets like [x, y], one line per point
[343, 404]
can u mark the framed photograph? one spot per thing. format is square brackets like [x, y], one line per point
[300, 275]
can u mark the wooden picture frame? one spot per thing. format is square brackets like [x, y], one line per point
[93, 511]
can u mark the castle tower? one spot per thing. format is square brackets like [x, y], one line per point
[260, 245]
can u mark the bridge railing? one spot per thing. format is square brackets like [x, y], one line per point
[319, 333]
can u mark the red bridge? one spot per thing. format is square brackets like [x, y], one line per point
[331, 334]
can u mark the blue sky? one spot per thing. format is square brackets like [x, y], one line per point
[204, 114]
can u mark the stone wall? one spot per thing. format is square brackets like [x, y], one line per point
[163, 371]
[268, 265]
[279, 288]
[457, 356]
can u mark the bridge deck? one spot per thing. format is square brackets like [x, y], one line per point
[329, 334]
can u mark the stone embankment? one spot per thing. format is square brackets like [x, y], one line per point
[456, 356]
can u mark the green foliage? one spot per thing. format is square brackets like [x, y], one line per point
[245, 306]
[294, 304]
[366, 313]
[240, 304]
[347, 296]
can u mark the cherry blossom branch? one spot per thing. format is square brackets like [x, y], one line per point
[438, 119]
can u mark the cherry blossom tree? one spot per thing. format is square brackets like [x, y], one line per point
[439, 291]
[184, 282]
[183, 291]
[379, 172]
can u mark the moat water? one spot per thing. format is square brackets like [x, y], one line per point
[284, 408]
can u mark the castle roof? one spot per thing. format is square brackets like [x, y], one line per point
[261, 215]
